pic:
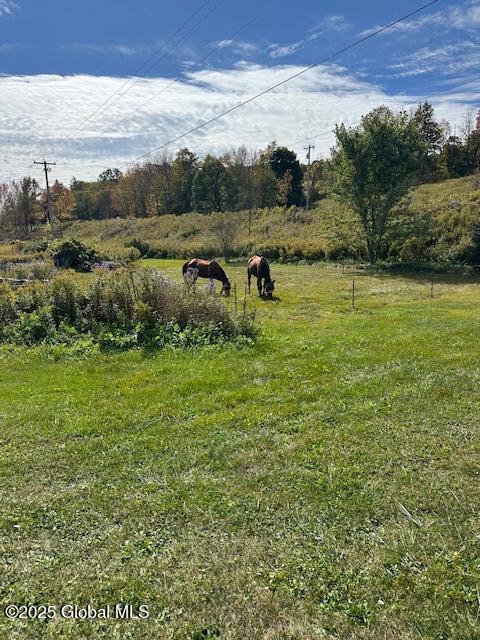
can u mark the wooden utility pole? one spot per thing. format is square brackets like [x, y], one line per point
[309, 155]
[50, 216]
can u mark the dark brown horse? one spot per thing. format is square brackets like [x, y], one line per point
[200, 268]
[260, 269]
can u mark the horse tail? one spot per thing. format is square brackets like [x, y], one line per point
[185, 267]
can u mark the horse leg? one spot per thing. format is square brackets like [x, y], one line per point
[259, 286]
[249, 279]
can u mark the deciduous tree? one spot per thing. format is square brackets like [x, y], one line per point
[210, 186]
[373, 167]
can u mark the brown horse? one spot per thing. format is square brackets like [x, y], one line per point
[260, 269]
[201, 268]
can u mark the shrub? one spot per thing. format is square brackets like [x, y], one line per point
[132, 254]
[144, 249]
[119, 310]
[7, 305]
[40, 245]
[66, 300]
[32, 328]
[31, 297]
[73, 254]
[271, 251]
[413, 250]
[37, 270]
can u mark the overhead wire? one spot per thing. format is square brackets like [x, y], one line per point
[403, 106]
[149, 63]
[279, 84]
[172, 82]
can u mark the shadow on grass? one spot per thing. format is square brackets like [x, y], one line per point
[265, 298]
[423, 277]
[417, 276]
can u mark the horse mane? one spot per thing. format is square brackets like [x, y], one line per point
[221, 272]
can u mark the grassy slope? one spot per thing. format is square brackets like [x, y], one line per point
[257, 492]
[330, 228]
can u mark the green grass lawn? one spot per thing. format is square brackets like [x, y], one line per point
[324, 482]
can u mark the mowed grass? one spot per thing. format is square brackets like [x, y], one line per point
[324, 482]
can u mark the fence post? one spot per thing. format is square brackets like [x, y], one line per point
[353, 294]
[431, 287]
[235, 297]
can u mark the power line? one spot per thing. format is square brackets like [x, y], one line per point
[353, 124]
[145, 67]
[172, 82]
[96, 188]
[279, 84]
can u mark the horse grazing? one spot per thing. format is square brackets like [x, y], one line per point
[259, 267]
[201, 268]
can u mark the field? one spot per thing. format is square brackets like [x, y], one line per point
[321, 483]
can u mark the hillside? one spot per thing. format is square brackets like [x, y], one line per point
[439, 224]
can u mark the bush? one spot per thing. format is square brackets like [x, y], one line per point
[118, 310]
[40, 245]
[37, 270]
[32, 328]
[73, 254]
[414, 250]
[143, 248]
[7, 305]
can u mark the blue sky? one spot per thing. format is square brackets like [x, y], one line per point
[60, 60]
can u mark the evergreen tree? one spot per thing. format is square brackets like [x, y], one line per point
[184, 168]
[281, 161]
[454, 158]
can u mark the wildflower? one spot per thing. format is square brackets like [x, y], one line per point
[210, 287]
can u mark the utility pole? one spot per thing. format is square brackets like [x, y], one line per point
[309, 155]
[50, 216]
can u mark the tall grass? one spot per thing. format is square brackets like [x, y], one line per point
[438, 223]
[119, 309]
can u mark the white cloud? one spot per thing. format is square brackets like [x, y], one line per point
[239, 46]
[466, 17]
[107, 49]
[335, 23]
[38, 114]
[450, 59]
[277, 51]
[7, 7]
[332, 23]
[222, 44]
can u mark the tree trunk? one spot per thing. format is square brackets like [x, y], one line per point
[372, 251]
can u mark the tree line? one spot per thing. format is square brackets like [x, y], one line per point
[240, 179]
[235, 181]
